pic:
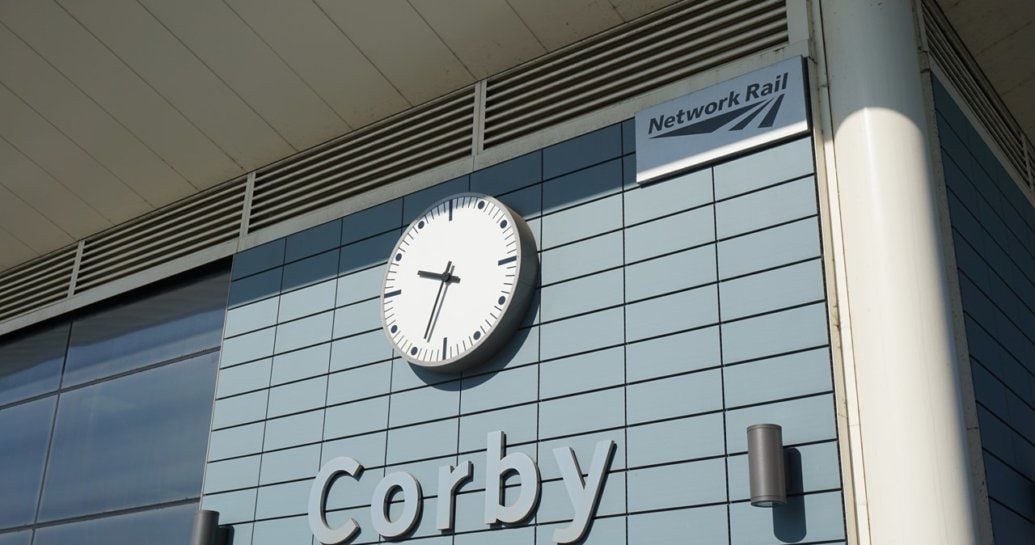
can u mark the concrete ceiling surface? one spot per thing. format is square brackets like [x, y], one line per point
[112, 108]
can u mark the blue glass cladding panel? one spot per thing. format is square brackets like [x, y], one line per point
[31, 365]
[24, 434]
[588, 149]
[135, 440]
[16, 538]
[372, 221]
[258, 259]
[508, 175]
[313, 241]
[170, 526]
[255, 287]
[183, 319]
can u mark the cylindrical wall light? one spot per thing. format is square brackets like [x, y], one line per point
[766, 465]
[206, 528]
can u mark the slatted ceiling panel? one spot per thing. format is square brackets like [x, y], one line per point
[414, 141]
[37, 283]
[188, 226]
[656, 50]
[951, 55]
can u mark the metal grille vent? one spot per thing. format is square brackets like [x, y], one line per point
[656, 50]
[406, 144]
[36, 283]
[952, 56]
[190, 225]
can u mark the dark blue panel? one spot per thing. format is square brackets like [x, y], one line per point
[313, 241]
[24, 433]
[16, 538]
[577, 153]
[184, 318]
[582, 186]
[365, 253]
[629, 136]
[310, 270]
[259, 258]
[255, 287]
[372, 221]
[169, 526]
[30, 365]
[415, 203]
[509, 175]
[131, 441]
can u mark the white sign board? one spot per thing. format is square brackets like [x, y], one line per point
[745, 112]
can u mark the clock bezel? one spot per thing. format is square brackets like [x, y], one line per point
[514, 310]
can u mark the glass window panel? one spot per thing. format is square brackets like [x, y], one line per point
[16, 538]
[30, 365]
[131, 441]
[169, 526]
[24, 432]
[181, 319]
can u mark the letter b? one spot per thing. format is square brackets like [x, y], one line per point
[498, 466]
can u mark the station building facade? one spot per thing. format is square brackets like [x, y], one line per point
[866, 282]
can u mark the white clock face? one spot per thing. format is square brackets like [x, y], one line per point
[458, 282]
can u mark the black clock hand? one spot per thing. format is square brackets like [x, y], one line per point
[438, 312]
[434, 307]
[445, 277]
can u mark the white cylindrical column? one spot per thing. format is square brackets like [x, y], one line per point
[913, 437]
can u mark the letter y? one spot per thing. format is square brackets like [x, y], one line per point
[584, 495]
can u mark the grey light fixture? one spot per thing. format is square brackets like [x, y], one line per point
[206, 528]
[766, 465]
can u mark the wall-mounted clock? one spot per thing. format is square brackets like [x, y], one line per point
[458, 282]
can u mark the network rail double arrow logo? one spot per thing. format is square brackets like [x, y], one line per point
[721, 120]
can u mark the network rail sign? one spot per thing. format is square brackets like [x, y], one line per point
[737, 115]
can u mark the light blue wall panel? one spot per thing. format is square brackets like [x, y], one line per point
[674, 195]
[301, 364]
[588, 256]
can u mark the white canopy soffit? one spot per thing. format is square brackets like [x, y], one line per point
[113, 108]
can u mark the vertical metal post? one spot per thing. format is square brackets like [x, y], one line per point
[898, 295]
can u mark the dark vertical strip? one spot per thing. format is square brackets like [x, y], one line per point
[770, 116]
[744, 122]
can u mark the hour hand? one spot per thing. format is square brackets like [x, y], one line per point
[442, 277]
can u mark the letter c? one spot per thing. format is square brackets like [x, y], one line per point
[318, 501]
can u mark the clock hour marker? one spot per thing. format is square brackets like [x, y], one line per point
[506, 260]
[394, 328]
[393, 293]
[501, 300]
[420, 225]
[503, 224]
[450, 210]
[413, 351]
[481, 205]
[398, 256]
[477, 335]
[443, 347]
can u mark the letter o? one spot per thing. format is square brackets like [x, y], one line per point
[412, 504]
[318, 501]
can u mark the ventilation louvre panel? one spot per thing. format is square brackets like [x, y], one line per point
[653, 51]
[414, 141]
[185, 227]
[952, 57]
[37, 283]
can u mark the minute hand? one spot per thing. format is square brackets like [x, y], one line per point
[438, 296]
